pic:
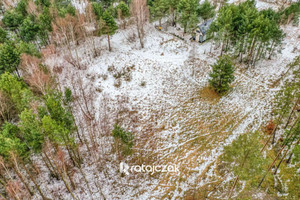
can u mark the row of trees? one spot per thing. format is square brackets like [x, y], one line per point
[30, 20]
[247, 32]
[36, 124]
[257, 171]
[27, 27]
[36, 118]
[186, 12]
[100, 19]
[244, 31]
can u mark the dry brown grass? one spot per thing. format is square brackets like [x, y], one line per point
[209, 95]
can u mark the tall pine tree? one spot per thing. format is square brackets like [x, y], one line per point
[222, 74]
[108, 26]
[188, 13]
[10, 57]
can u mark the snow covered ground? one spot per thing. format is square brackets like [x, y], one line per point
[166, 88]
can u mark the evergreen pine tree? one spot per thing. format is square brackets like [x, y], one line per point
[28, 48]
[3, 35]
[124, 9]
[188, 13]
[12, 19]
[45, 25]
[206, 10]
[244, 159]
[10, 141]
[31, 130]
[108, 26]
[173, 10]
[43, 3]
[123, 12]
[29, 29]
[159, 9]
[10, 57]
[22, 7]
[222, 74]
[107, 3]
[16, 90]
[98, 9]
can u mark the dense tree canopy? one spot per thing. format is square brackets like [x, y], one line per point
[3, 35]
[29, 29]
[206, 10]
[248, 31]
[10, 57]
[188, 13]
[12, 19]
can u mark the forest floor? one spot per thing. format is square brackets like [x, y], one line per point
[165, 87]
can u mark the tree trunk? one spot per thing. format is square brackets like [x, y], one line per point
[34, 181]
[50, 163]
[15, 167]
[241, 50]
[17, 71]
[271, 50]
[173, 17]
[251, 50]
[275, 172]
[67, 186]
[108, 40]
[222, 48]
[64, 180]
[71, 179]
[291, 113]
[290, 158]
[269, 138]
[257, 54]
[270, 167]
[184, 28]
[273, 140]
[234, 184]
[87, 183]
[140, 36]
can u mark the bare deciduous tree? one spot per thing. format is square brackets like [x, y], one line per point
[140, 13]
[31, 8]
[9, 4]
[34, 75]
[67, 32]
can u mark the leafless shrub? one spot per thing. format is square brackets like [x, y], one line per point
[75, 63]
[57, 69]
[104, 76]
[34, 75]
[14, 190]
[31, 8]
[118, 83]
[99, 89]
[131, 37]
[128, 77]
[9, 4]
[143, 83]
[111, 68]
[48, 51]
